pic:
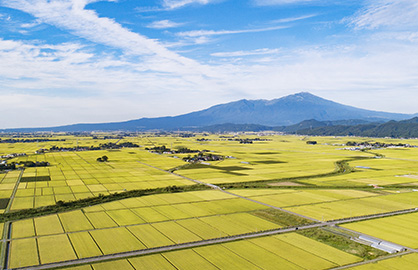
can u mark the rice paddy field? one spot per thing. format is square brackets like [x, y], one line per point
[400, 229]
[275, 252]
[406, 262]
[137, 223]
[318, 183]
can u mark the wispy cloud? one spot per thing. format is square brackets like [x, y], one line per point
[386, 13]
[164, 24]
[294, 19]
[246, 53]
[71, 15]
[173, 4]
[140, 77]
[201, 33]
[5, 17]
[279, 2]
[66, 78]
[168, 5]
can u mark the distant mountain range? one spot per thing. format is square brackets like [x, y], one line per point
[395, 129]
[404, 129]
[283, 114]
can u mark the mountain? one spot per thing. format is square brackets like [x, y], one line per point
[312, 123]
[285, 111]
[228, 127]
[405, 129]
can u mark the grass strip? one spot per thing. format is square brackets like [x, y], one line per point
[281, 218]
[342, 243]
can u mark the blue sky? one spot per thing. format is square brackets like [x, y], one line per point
[72, 61]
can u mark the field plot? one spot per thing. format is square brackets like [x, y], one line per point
[381, 171]
[55, 248]
[301, 178]
[7, 184]
[245, 168]
[188, 260]
[288, 251]
[77, 175]
[23, 253]
[23, 228]
[150, 236]
[405, 262]
[84, 245]
[119, 264]
[400, 229]
[145, 222]
[358, 207]
[319, 249]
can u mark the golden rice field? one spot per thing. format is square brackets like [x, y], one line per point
[400, 229]
[406, 262]
[278, 171]
[275, 252]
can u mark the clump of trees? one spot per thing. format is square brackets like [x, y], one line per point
[102, 159]
[102, 146]
[7, 166]
[376, 144]
[28, 164]
[164, 149]
[34, 164]
[202, 156]
[30, 140]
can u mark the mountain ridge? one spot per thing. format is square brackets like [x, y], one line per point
[284, 111]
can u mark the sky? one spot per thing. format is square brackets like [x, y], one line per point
[91, 61]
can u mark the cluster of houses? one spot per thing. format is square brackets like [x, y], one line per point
[9, 166]
[376, 145]
[202, 158]
[104, 146]
[247, 140]
[164, 150]
[9, 156]
[29, 140]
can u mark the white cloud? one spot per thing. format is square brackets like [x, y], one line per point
[163, 24]
[386, 13]
[72, 15]
[246, 53]
[293, 19]
[279, 2]
[173, 4]
[68, 83]
[200, 33]
[43, 84]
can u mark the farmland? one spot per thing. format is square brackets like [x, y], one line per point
[74, 207]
